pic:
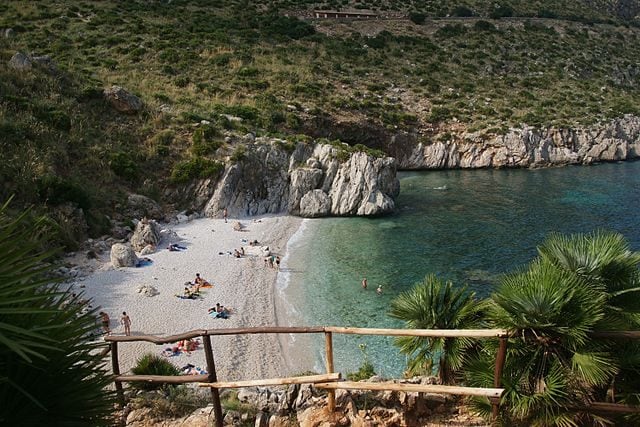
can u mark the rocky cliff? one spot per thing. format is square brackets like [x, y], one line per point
[527, 147]
[310, 180]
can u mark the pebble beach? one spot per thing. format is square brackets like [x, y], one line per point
[245, 285]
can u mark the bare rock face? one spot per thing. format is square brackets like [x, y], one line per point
[526, 147]
[20, 61]
[122, 100]
[140, 206]
[313, 181]
[315, 203]
[146, 233]
[123, 255]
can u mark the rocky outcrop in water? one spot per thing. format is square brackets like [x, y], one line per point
[527, 147]
[312, 180]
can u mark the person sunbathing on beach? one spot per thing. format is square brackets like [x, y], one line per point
[236, 253]
[219, 311]
[200, 282]
[175, 247]
[187, 345]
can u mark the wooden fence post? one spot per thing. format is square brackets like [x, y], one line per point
[331, 394]
[115, 366]
[497, 374]
[211, 369]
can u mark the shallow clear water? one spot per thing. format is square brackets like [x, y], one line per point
[464, 226]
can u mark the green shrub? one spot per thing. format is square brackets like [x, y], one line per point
[177, 401]
[243, 111]
[285, 26]
[230, 402]
[152, 364]
[123, 165]
[55, 191]
[182, 81]
[462, 11]
[221, 60]
[204, 141]
[482, 25]
[365, 372]
[417, 17]
[439, 114]
[197, 167]
[239, 153]
[501, 11]
[451, 30]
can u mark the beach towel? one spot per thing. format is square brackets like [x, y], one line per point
[192, 296]
[168, 352]
[144, 262]
[217, 315]
[206, 285]
[192, 370]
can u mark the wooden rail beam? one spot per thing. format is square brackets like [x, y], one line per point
[434, 333]
[309, 379]
[418, 388]
[169, 379]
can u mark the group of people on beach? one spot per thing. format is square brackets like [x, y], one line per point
[192, 289]
[272, 261]
[182, 346]
[364, 286]
[125, 321]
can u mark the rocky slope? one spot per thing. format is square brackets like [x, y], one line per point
[527, 147]
[310, 180]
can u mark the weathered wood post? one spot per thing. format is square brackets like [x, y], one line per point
[211, 369]
[115, 366]
[331, 394]
[497, 374]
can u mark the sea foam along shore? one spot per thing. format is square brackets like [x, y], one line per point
[244, 284]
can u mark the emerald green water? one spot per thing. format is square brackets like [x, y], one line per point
[465, 226]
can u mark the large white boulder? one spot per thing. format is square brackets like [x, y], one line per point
[122, 255]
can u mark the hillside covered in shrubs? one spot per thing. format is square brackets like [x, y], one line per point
[208, 70]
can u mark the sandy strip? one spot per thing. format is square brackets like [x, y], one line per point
[244, 284]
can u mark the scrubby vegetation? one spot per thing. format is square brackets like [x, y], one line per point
[555, 366]
[152, 364]
[207, 69]
[51, 372]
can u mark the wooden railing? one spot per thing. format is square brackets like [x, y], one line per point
[329, 381]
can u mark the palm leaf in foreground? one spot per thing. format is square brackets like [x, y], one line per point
[434, 304]
[50, 373]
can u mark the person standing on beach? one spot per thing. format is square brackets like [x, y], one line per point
[364, 283]
[126, 322]
[104, 317]
[278, 263]
[225, 214]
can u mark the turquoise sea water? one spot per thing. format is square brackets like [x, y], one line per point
[464, 226]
